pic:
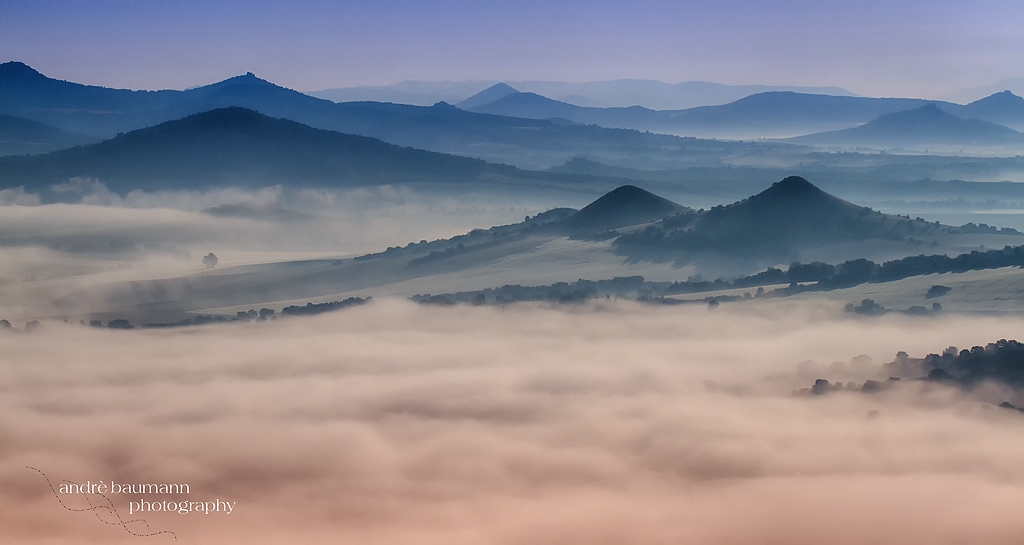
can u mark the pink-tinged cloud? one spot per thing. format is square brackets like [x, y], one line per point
[611, 423]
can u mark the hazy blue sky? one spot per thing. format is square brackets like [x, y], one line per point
[922, 48]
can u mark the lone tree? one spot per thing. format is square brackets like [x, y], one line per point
[210, 260]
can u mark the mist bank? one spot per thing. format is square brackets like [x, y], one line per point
[137, 259]
[397, 423]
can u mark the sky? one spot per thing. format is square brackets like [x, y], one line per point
[872, 47]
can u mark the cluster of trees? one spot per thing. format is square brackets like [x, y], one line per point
[263, 314]
[250, 315]
[860, 271]
[983, 228]
[822, 387]
[478, 239]
[312, 309]
[559, 292]
[1001, 362]
[800, 277]
[868, 307]
[29, 326]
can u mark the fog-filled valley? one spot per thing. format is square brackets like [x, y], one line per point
[140, 257]
[546, 309]
[610, 423]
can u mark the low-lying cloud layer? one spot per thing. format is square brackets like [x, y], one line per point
[92, 220]
[612, 423]
[95, 236]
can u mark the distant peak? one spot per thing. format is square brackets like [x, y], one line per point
[1001, 98]
[247, 78]
[502, 87]
[18, 70]
[792, 185]
[627, 192]
[624, 205]
[630, 196]
[488, 95]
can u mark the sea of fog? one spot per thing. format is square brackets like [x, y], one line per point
[609, 422]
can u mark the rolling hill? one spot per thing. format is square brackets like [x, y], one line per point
[20, 136]
[240, 147]
[787, 218]
[764, 114]
[760, 115]
[785, 222]
[927, 125]
[1002, 108]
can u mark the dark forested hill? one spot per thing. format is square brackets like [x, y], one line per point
[240, 146]
[792, 214]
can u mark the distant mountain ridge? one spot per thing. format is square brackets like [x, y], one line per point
[20, 136]
[1002, 108]
[774, 113]
[927, 125]
[619, 93]
[240, 147]
[971, 94]
[513, 128]
[103, 113]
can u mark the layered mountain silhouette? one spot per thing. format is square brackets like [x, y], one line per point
[777, 111]
[487, 96]
[794, 111]
[103, 112]
[927, 125]
[20, 136]
[772, 227]
[790, 215]
[652, 94]
[1003, 108]
[242, 147]
[519, 120]
[762, 114]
